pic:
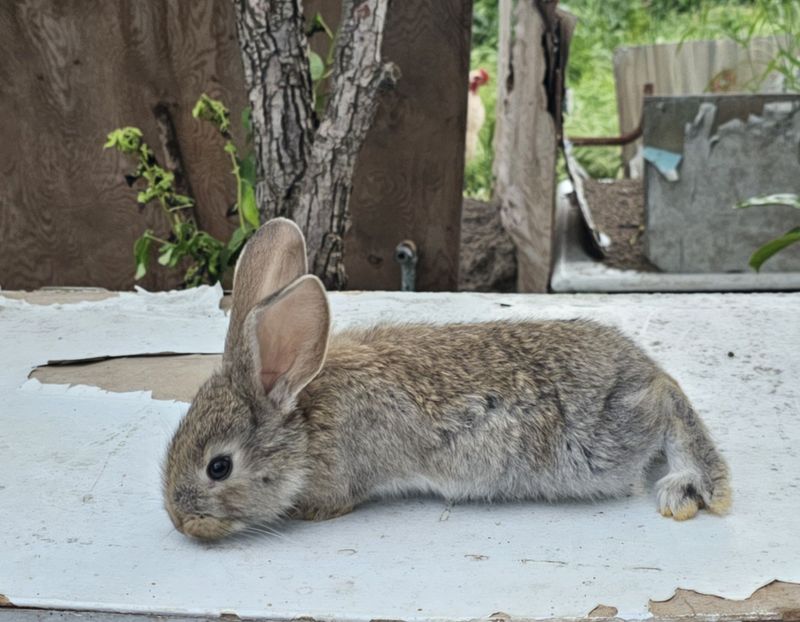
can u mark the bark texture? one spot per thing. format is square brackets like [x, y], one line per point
[306, 172]
[275, 58]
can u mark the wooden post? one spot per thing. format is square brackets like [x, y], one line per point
[527, 138]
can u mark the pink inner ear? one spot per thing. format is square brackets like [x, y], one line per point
[275, 363]
[291, 337]
[269, 378]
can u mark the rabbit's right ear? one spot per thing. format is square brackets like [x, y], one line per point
[289, 337]
[273, 257]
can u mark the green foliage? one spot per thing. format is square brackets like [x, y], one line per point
[213, 111]
[204, 258]
[127, 140]
[792, 200]
[603, 26]
[485, 25]
[743, 21]
[478, 178]
[606, 25]
[772, 247]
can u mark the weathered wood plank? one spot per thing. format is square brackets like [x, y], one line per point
[71, 72]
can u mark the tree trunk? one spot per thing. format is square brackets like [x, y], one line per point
[306, 173]
[275, 57]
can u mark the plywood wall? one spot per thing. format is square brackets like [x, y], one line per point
[71, 71]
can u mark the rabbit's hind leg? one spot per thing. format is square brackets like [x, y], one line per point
[698, 476]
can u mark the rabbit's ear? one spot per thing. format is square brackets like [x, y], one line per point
[291, 339]
[272, 258]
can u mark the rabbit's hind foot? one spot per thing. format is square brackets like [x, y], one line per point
[678, 496]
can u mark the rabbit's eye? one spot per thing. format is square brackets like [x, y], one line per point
[219, 468]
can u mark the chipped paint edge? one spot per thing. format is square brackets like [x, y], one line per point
[55, 610]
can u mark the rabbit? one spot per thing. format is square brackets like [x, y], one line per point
[298, 423]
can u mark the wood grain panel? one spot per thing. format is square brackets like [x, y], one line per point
[70, 72]
[409, 179]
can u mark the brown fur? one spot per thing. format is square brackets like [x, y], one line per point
[495, 410]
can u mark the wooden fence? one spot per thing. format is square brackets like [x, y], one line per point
[71, 71]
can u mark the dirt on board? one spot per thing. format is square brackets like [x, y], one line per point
[617, 206]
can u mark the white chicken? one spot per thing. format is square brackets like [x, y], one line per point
[476, 113]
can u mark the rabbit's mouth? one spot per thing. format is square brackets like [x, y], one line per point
[208, 527]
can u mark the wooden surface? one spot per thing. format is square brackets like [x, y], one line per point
[409, 178]
[525, 144]
[72, 71]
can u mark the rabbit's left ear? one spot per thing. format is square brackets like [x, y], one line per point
[290, 335]
[273, 257]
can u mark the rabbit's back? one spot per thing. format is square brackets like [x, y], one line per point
[490, 410]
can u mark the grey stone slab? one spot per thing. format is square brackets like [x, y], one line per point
[691, 224]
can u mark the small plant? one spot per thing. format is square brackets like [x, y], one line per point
[742, 22]
[206, 258]
[761, 255]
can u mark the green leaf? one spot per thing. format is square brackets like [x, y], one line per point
[214, 111]
[316, 65]
[126, 139]
[770, 248]
[791, 200]
[237, 240]
[247, 122]
[247, 168]
[248, 208]
[167, 254]
[141, 251]
[318, 25]
[179, 201]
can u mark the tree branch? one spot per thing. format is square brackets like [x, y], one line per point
[307, 174]
[275, 57]
[359, 76]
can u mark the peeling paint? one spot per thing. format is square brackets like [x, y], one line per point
[777, 599]
[603, 611]
[93, 458]
[167, 377]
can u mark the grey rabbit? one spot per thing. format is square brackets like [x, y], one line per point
[305, 424]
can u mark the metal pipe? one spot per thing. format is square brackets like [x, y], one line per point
[406, 255]
[613, 141]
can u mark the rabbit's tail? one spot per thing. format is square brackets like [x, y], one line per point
[698, 475]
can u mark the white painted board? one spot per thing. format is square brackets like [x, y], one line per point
[83, 526]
